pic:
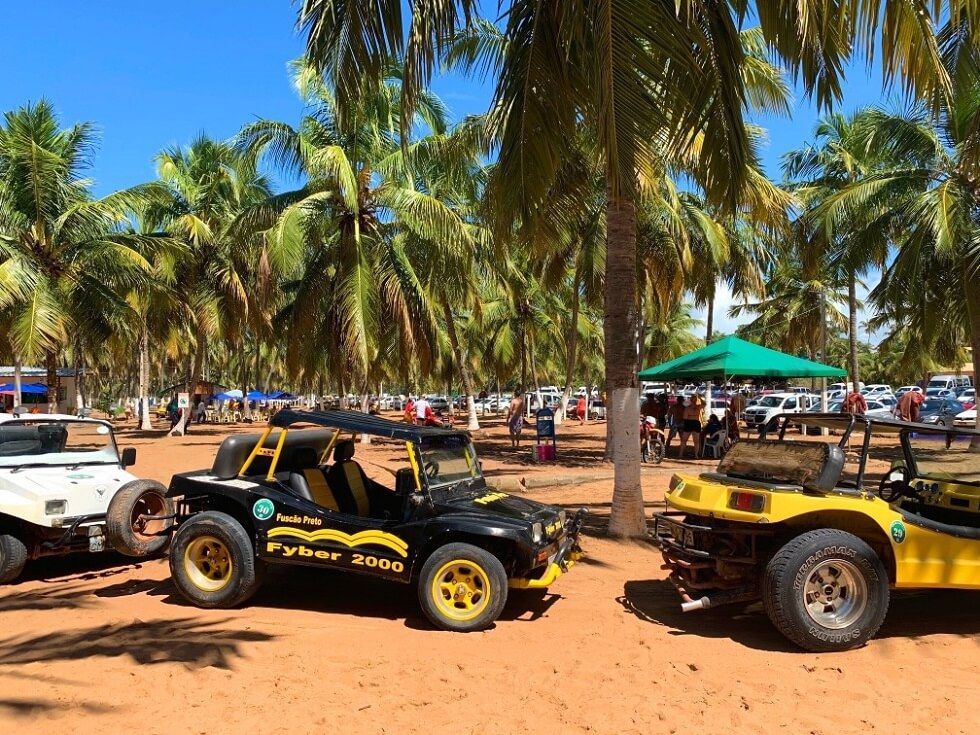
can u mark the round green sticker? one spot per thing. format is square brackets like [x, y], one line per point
[898, 532]
[263, 509]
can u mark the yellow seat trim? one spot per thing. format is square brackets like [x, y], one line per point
[356, 484]
[320, 490]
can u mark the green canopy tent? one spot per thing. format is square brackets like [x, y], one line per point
[732, 357]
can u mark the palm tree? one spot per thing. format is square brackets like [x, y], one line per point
[65, 261]
[380, 236]
[928, 198]
[838, 158]
[648, 77]
[209, 184]
[789, 316]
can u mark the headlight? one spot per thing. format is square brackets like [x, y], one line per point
[536, 533]
[930, 420]
[561, 518]
[55, 507]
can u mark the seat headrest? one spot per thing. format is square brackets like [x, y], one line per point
[305, 457]
[343, 451]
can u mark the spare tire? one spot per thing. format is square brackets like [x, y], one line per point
[128, 530]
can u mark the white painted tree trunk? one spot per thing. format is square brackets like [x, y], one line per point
[624, 418]
[144, 396]
[18, 382]
[365, 403]
[474, 422]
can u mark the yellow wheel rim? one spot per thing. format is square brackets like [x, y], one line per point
[461, 590]
[207, 562]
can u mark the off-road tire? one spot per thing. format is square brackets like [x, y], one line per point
[13, 557]
[788, 571]
[485, 566]
[246, 571]
[124, 535]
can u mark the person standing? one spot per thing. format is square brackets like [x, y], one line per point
[581, 408]
[172, 411]
[515, 417]
[691, 424]
[410, 410]
[909, 405]
[675, 419]
[854, 404]
[422, 409]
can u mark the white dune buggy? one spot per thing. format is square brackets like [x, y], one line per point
[64, 488]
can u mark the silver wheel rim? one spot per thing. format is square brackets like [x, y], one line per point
[835, 594]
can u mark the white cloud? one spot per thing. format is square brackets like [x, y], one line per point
[724, 300]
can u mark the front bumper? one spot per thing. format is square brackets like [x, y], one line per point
[77, 532]
[569, 552]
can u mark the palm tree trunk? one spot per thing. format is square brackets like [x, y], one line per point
[709, 318]
[973, 317]
[852, 337]
[570, 349]
[18, 381]
[79, 376]
[144, 388]
[623, 400]
[246, 368]
[523, 385]
[464, 369]
[50, 362]
[191, 377]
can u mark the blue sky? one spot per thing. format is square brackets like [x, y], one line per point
[154, 75]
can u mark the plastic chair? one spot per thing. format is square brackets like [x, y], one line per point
[716, 443]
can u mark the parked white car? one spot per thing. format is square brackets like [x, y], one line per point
[966, 419]
[876, 390]
[597, 411]
[64, 487]
[968, 396]
[767, 407]
[878, 409]
[907, 389]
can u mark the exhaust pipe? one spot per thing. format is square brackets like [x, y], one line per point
[703, 604]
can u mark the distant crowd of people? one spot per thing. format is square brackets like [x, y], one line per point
[687, 417]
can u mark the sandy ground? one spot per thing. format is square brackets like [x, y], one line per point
[98, 644]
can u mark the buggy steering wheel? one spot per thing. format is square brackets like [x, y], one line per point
[431, 468]
[892, 489]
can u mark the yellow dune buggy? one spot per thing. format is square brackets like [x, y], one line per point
[821, 530]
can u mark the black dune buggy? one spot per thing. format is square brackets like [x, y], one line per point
[272, 498]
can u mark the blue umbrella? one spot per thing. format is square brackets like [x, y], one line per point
[281, 395]
[25, 389]
[256, 395]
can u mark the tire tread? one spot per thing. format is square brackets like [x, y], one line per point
[13, 558]
[776, 574]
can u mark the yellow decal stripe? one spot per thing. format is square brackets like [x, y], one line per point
[362, 538]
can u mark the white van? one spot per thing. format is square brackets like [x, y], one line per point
[955, 383]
